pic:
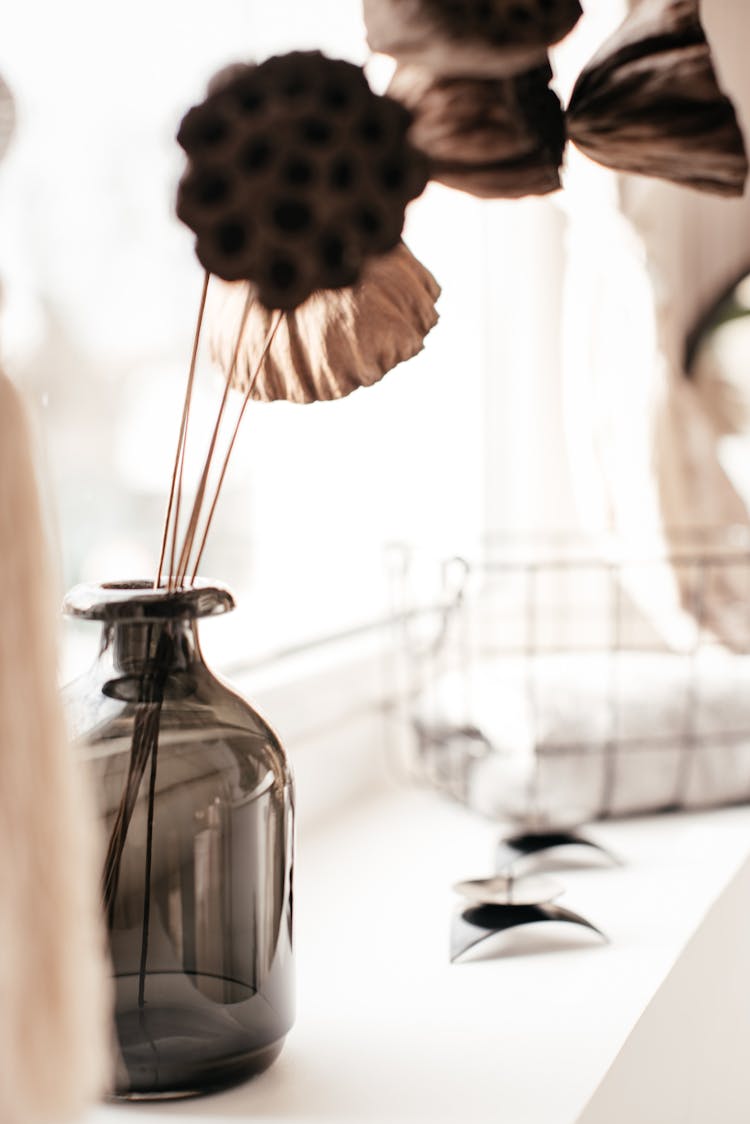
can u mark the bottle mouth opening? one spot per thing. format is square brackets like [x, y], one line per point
[121, 601]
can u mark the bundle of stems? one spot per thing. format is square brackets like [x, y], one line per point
[145, 738]
[185, 559]
[183, 568]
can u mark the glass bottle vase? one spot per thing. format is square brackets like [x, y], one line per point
[197, 803]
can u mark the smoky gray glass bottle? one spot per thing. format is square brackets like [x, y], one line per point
[197, 806]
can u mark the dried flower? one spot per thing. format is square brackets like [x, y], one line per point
[649, 102]
[480, 38]
[297, 174]
[333, 343]
[496, 138]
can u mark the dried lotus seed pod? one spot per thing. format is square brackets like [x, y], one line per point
[297, 173]
[495, 138]
[469, 38]
[649, 102]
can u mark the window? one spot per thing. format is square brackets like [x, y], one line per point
[101, 290]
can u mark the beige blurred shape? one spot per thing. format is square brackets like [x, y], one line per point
[54, 990]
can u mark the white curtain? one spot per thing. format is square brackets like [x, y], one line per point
[645, 260]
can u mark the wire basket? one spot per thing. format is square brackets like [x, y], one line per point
[560, 681]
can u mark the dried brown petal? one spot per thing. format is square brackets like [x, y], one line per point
[534, 175]
[336, 341]
[480, 38]
[649, 102]
[496, 138]
[297, 173]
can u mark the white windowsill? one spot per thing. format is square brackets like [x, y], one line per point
[653, 1027]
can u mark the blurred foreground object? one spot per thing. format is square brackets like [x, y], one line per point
[54, 1030]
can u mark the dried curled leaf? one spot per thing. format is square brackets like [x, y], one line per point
[480, 38]
[333, 343]
[649, 102]
[496, 138]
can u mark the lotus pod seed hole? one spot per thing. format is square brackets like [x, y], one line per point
[212, 189]
[335, 97]
[298, 173]
[332, 251]
[291, 216]
[316, 131]
[371, 130]
[342, 174]
[294, 87]
[250, 99]
[208, 132]
[368, 220]
[282, 273]
[255, 156]
[392, 175]
[231, 237]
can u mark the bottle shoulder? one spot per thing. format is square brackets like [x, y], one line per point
[200, 719]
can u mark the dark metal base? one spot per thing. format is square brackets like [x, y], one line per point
[479, 922]
[515, 850]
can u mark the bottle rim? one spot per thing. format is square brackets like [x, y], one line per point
[131, 601]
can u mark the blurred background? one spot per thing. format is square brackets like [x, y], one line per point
[100, 293]
[100, 288]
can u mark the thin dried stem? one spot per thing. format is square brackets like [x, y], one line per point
[178, 497]
[235, 431]
[176, 484]
[189, 540]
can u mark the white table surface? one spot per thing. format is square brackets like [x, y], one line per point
[389, 1030]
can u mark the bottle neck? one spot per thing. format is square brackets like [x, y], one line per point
[148, 634]
[157, 647]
